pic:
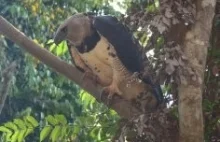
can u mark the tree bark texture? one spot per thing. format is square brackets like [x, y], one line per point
[195, 47]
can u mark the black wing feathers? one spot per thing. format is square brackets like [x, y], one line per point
[89, 42]
[117, 34]
[127, 50]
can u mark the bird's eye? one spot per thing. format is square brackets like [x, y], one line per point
[64, 29]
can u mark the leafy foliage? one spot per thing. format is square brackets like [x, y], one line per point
[57, 127]
[42, 93]
[58, 105]
[18, 129]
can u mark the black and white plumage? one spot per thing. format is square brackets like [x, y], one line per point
[103, 47]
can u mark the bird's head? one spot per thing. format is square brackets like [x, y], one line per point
[74, 29]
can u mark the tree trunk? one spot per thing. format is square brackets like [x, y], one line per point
[195, 45]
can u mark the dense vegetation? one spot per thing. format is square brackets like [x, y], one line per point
[37, 91]
[42, 105]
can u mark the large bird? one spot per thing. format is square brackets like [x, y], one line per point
[103, 47]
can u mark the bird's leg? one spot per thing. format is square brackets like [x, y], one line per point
[117, 78]
[111, 90]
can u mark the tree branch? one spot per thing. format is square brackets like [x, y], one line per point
[122, 107]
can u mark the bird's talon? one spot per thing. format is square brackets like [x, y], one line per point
[105, 91]
[110, 96]
[111, 91]
[133, 78]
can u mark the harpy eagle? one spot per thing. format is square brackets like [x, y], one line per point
[104, 48]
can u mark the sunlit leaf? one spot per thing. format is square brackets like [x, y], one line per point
[61, 48]
[28, 131]
[52, 47]
[51, 120]
[63, 131]
[45, 132]
[55, 133]
[14, 136]
[76, 129]
[21, 135]
[20, 123]
[94, 132]
[99, 134]
[28, 124]
[61, 119]
[32, 120]
[11, 126]
[5, 129]
[8, 136]
[112, 112]
[86, 98]
[35, 7]
[50, 41]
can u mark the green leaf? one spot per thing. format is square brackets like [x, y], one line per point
[5, 129]
[20, 123]
[45, 132]
[61, 119]
[61, 48]
[50, 41]
[64, 46]
[55, 133]
[29, 131]
[86, 98]
[11, 126]
[112, 112]
[8, 136]
[32, 120]
[63, 131]
[76, 129]
[14, 137]
[28, 124]
[21, 135]
[52, 47]
[51, 120]
[94, 132]
[100, 134]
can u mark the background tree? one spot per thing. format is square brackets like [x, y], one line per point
[176, 31]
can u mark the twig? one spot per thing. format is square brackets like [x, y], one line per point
[7, 75]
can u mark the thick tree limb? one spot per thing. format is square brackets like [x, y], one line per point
[195, 44]
[122, 107]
